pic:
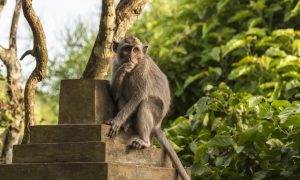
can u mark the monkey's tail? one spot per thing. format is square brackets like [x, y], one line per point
[164, 141]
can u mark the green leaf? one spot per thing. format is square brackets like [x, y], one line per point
[295, 83]
[292, 74]
[219, 161]
[292, 121]
[265, 110]
[199, 169]
[284, 32]
[240, 71]
[175, 146]
[232, 45]
[280, 104]
[274, 143]
[255, 100]
[275, 52]
[283, 115]
[220, 140]
[239, 16]
[202, 149]
[189, 81]
[259, 175]
[221, 5]
[292, 13]
[247, 136]
[277, 91]
[260, 32]
[216, 53]
[296, 47]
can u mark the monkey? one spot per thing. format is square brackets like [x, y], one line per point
[139, 87]
[121, 68]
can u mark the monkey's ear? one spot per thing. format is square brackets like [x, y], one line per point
[115, 45]
[145, 48]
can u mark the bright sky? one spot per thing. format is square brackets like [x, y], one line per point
[55, 16]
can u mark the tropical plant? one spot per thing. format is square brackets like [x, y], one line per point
[229, 135]
[251, 45]
[236, 64]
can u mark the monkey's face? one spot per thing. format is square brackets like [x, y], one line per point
[129, 52]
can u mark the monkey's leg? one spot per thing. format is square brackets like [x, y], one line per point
[144, 126]
[128, 123]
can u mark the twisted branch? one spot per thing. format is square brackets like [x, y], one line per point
[113, 25]
[41, 54]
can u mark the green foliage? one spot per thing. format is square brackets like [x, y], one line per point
[46, 109]
[238, 135]
[248, 128]
[251, 45]
[78, 43]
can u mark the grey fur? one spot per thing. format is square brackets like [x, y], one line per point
[138, 85]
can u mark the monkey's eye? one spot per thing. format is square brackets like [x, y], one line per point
[127, 48]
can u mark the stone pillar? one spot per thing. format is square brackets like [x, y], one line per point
[85, 101]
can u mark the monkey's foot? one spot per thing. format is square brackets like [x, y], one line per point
[109, 121]
[139, 144]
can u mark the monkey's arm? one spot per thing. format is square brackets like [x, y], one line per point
[128, 109]
[118, 77]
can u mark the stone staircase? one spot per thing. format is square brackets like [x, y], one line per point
[71, 151]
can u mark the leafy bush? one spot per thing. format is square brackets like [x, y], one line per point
[237, 135]
[251, 45]
[240, 62]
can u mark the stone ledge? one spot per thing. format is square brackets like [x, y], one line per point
[86, 171]
[77, 133]
[89, 152]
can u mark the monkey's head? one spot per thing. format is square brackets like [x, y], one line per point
[130, 49]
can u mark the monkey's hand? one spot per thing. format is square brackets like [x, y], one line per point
[129, 66]
[114, 129]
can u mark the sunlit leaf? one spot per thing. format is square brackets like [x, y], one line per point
[274, 143]
[294, 109]
[232, 45]
[240, 71]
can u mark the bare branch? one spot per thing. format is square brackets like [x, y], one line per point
[2, 4]
[126, 14]
[101, 53]
[14, 25]
[26, 53]
[39, 72]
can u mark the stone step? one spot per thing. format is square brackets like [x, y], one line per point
[76, 133]
[89, 152]
[86, 171]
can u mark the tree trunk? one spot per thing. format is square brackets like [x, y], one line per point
[114, 24]
[40, 53]
[14, 87]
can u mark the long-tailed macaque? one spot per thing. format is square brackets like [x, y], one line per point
[139, 87]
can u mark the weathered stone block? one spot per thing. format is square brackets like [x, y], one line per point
[77, 133]
[85, 101]
[89, 152]
[86, 171]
